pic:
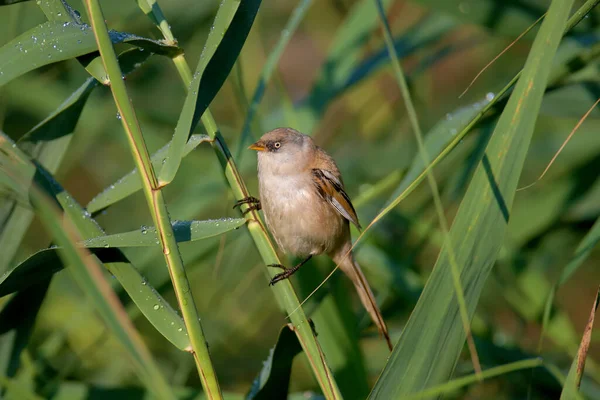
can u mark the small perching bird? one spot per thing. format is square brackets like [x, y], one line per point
[306, 208]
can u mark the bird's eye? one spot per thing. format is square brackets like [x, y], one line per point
[277, 145]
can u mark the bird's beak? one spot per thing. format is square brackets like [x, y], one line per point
[258, 146]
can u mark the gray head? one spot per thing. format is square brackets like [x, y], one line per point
[284, 151]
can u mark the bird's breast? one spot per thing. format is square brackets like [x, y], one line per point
[301, 222]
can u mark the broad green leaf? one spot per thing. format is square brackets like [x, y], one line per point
[225, 41]
[60, 11]
[164, 319]
[51, 42]
[274, 377]
[571, 387]
[433, 338]
[47, 142]
[184, 231]
[158, 311]
[87, 271]
[130, 183]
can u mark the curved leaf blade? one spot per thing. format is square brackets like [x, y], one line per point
[56, 41]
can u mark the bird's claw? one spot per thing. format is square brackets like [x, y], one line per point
[252, 202]
[283, 267]
[281, 276]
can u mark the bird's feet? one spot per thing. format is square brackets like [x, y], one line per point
[287, 272]
[252, 202]
[281, 276]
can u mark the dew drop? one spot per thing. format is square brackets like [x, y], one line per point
[156, 307]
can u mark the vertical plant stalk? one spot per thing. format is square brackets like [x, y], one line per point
[414, 121]
[284, 292]
[156, 203]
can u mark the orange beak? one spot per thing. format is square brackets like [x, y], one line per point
[258, 146]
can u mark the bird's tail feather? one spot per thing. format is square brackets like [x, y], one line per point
[352, 269]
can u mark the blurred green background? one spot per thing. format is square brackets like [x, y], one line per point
[349, 102]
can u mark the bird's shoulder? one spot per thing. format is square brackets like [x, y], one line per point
[325, 162]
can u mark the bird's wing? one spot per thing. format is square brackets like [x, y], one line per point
[331, 189]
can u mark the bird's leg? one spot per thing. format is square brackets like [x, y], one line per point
[287, 272]
[253, 204]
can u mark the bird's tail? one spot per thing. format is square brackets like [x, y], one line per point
[353, 271]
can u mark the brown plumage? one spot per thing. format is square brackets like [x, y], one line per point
[306, 208]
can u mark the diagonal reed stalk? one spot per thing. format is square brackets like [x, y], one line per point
[156, 203]
[284, 292]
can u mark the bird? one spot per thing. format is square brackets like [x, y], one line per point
[307, 210]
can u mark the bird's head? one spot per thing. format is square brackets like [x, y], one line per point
[284, 151]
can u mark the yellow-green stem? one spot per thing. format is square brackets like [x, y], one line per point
[156, 203]
[284, 291]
